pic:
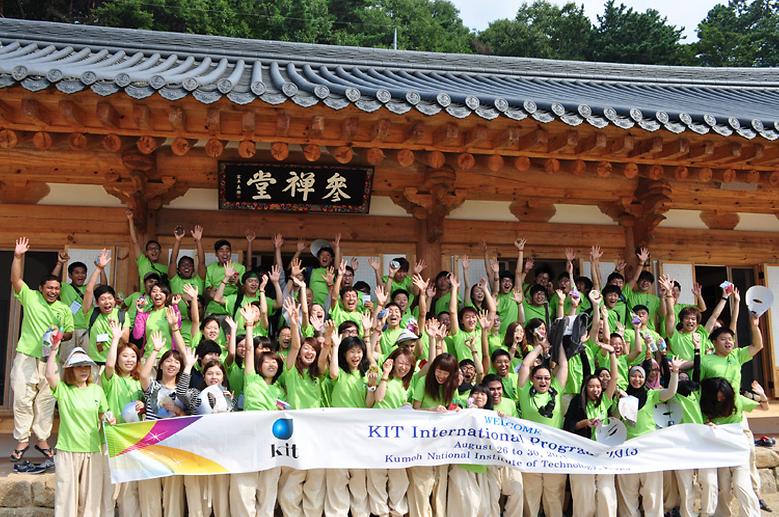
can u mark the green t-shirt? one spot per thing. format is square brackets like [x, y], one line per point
[507, 406]
[742, 404]
[100, 334]
[682, 346]
[158, 320]
[576, 369]
[258, 395]
[442, 304]
[318, 285]
[177, 284]
[650, 300]
[79, 410]
[508, 311]
[645, 421]
[530, 405]
[677, 309]
[407, 285]
[727, 367]
[601, 411]
[146, 266]
[536, 311]
[426, 401]
[303, 391]
[235, 378]
[132, 309]
[339, 315]
[215, 273]
[239, 321]
[73, 296]
[691, 408]
[40, 317]
[395, 396]
[120, 391]
[623, 366]
[648, 335]
[457, 344]
[349, 390]
[567, 304]
[388, 339]
[510, 383]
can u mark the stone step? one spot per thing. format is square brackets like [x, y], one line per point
[27, 495]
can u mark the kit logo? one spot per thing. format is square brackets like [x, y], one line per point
[282, 429]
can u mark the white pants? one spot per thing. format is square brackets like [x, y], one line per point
[150, 497]
[254, 493]
[33, 401]
[346, 490]
[387, 491]
[547, 490]
[649, 485]
[685, 484]
[468, 492]
[205, 493]
[79, 488]
[426, 483]
[302, 492]
[735, 481]
[505, 481]
[593, 494]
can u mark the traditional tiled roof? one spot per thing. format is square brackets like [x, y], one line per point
[71, 58]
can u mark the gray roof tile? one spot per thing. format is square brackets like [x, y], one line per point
[39, 55]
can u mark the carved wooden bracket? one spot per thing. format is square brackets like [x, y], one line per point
[433, 199]
[143, 195]
[22, 192]
[533, 210]
[715, 220]
[652, 201]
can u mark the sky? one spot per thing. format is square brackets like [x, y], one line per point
[477, 14]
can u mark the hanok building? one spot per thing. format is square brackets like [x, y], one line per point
[405, 153]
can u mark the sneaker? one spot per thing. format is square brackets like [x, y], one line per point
[764, 506]
[48, 464]
[25, 467]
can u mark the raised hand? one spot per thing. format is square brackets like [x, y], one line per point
[263, 283]
[290, 307]
[757, 389]
[22, 246]
[420, 266]
[621, 265]
[466, 263]
[278, 241]
[229, 270]
[455, 283]
[295, 267]
[374, 263]
[329, 275]
[317, 321]
[337, 240]
[172, 317]
[643, 255]
[129, 215]
[275, 273]
[419, 282]
[736, 296]
[570, 254]
[560, 295]
[248, 314]
[300, 246]
[140, 303]
[355, 263]
[197, 232]
[157, 340]
[300, 284]
[381, 295]
[190, 290]
[696, 340]
[595, 253]
[367, 322]
[518, 295]
[494, 266]
[62, 256]
[529, 265]
[250, 235]
[387, 367]
[179, 233]
[676, 364]
[696, 289]
[116, 328]
[189, 356]
[103, 259]
[175, 299]
[342, 268]
[470, 343]
[606, 346]
[484, 319]
[231, 324]
[520, 244]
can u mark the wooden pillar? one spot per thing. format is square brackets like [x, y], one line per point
[429, 244]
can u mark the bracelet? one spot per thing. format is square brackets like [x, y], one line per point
[175, 329]
[725, 298]
[384, 380]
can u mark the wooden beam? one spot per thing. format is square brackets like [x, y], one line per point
[214, 121]
[673, 149]
[651, 145]
[629, 170]
[575, 167]
[700, 151]
[42, 141]
[621, 145]
[405, 157]
[752, 177]
[769, 155]
[447, 135]
[177, 118]
[77, 141]
[475, 136]
[214, 147]
[415, 133]
[494, 162]
[33, 109]
[380, 130]
[180, 146]
[374, 156]
[142, 116]
[72, 114]
[604, 169]
[107, 115]
[248, 123]
[562, 142]
[7, 113]
[536, 138]
[316, 127]
[725, 152]
[342, 154]
[720, 220]
[312, 152]
[434, 159]
[349, 128]
[279, 150]
[681, 172]
[465, 161]
[112, 143]
[705, 174]
[507, 138]
[247, 149]
[22, 191]
[533, 210]
[147, 144]
[552, 165]
[522, 163]
[594, 143]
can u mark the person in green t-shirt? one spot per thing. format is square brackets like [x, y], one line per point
[181, 272]
[466, 338]
[163, 315]
[540, 390]
[45, 317]
[538, 306]
[697, 292]
[146, 260]
[105, 310]
[593, 494]
[328, 260]
[353, 386]
[727, 358]
[390, 485]
[82, 407]
[648, 485]
[215, 276]
[347, 308]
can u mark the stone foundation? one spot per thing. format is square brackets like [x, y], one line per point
[27, 495]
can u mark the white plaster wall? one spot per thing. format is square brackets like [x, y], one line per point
[81, 195]
[580, 214]
[683, 219]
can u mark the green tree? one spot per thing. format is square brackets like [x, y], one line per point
[740, 34]
[543, 30]
[623, 35]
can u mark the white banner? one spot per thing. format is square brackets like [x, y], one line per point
[372, 438]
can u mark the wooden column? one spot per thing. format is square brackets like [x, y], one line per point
[429, 249]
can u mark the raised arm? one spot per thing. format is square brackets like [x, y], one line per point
[157, 342]
[595, 256]
[454, 324]
[250, 236]
[327, 347]
[278, 242]
[560, 310]
[263, 318]
[197, 234]
[294, 329]
[492, 307]
[562, 367]
[670, 391]
[52, 369]
[697, 292]
[220, 291]
[381, 389]
[466, 264]
[335, 292]
[89, 293]
[527, 365]
[735, 309]
[250, 317]
[59, 268]
[178, 234]
[670, 318]
[110, 358]
[275, 279]
[715, 313]
[757, 337]
[337, 250]
[22, 245]
[421, 287]
[643, 260]
[335, 341]
[485, 322]
[375, 264]
[231, 340]
[519, 275]
[190, 290]
[135, 247]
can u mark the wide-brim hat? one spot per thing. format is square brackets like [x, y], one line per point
[317, 245]
[78, 357]
[406, 335]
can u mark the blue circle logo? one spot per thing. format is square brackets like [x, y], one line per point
[282, 428]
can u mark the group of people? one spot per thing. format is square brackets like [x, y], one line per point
[202, 339]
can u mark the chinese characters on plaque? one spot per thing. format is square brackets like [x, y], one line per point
[294, 188]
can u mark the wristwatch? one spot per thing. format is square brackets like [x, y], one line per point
[371, 388]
